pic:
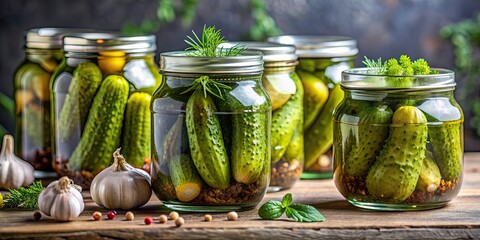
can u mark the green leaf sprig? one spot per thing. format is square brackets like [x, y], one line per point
[298, 212]
[207, 45]
[206, 84]
[404, 66]
[25, 198]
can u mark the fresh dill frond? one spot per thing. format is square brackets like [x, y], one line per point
[206, 84]
[25, 198]
[374, 67]
[207, 45]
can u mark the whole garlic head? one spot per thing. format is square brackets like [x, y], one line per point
[121, 186]
[14, 172]
[61, 200]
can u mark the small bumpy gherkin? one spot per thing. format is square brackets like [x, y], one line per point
[430, 177]
[395, 173]
[372, 132]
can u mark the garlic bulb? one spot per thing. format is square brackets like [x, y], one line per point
[14, 172]
[121, 186]
[61, 200]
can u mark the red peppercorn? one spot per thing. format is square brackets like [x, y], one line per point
[148, 220]
[111, 215]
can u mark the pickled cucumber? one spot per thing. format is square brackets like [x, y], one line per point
[315, 96]
[430, 177]
[447, 148]
[206, 141]
[372, 131]
[185, 178]
[73, 115]
[284, 122]
[394, 175]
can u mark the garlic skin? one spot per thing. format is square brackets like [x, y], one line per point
[14, 172]
[61, 200]
[121, 186]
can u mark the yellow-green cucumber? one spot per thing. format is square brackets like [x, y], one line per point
[86, 80]
[430, 177]
[285, 121]
[185, 178]
[205, 138]
[315, 96]
[136, 129]
[319, 137]
[394, 175]
[101, 135]
[446, 140]
[295, 149]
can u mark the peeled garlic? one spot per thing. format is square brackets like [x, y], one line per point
[121, 186]
[14, 172]
[61, 200]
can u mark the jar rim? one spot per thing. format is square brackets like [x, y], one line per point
[49, 37]
[365, 79]
[319, 46]
[179, 62]
[272, 52]
[92, 42]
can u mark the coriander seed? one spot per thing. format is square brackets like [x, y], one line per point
[163, 218]
[208, 218]
[129, 216]
[232, 216]
[179, 221]
[173, 215]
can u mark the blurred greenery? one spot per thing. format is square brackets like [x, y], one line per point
[465, 38]
[7, 106]
[263, 25]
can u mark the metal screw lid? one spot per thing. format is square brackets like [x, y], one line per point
[319, 46]
[101, 41]
[49, 38]
[179, 62]
[272, 52]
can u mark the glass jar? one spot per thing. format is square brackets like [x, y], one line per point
[398, 148]
[211, 149]
[321, 62]
[285, 90]
[32, 96]
[101, 94]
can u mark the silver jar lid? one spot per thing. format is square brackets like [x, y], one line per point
[101, 41]
[319, 46]
[272, 52]
[49, 38]
[179, 62]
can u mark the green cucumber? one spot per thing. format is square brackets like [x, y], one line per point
[101, 135]
[185, 178]
[295, 149]
[315, 96]
[372, 131]
[319, 137]
[447, 148]
[136, 129]
[430, 177]
[394, 175]
[86, 80]
[206, 141]
[285, 121]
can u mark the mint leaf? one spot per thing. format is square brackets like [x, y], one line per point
[304, 213]
[287, 200]
[271, 210]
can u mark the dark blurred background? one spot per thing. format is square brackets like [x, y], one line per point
[383, 28]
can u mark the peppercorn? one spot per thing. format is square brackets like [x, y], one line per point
[129, 216]
[37, 216]
[208, 218]
[173, 215]
[179, 221]
[162, 218]
[148, 220]
[111, 215]
[97, 216]
[232, 216]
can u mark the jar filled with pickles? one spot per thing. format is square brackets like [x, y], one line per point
[398, 139]
[211, 130]
[43, 52]
[321, 62]
[101, 95]
[285, 90]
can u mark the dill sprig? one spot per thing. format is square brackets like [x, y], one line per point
[207, 85]
[404, 66]
[207, 45]
[374, 67]
[26, 198]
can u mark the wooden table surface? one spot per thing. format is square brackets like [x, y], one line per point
[458, 220]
